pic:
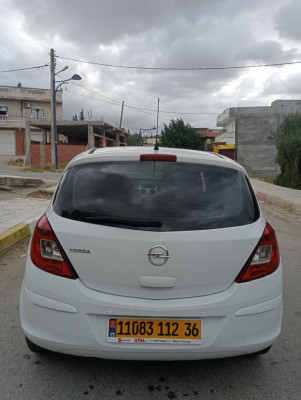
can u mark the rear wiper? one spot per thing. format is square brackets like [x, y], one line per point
[123, 221]
[79, 215]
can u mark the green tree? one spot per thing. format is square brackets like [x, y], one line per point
[288, 140]
[179, 135]
[132, 140]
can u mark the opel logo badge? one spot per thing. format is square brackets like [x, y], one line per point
[158, 255]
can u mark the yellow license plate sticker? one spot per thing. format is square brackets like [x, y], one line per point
[145, 330]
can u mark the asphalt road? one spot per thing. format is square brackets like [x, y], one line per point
[276, 375]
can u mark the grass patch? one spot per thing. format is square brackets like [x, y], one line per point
[270, 180]
[32, 168]
[16, 163]
[48, 168]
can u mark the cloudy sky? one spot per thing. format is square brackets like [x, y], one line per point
[175, 49]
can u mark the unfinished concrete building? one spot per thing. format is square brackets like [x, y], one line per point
[251, 129]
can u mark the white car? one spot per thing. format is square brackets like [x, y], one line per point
[152, 255]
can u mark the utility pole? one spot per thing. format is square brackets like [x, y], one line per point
[121, 115]
[52, 89]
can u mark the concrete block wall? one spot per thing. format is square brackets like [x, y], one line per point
[256, 149]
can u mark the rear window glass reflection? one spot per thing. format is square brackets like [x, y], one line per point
[158, 196]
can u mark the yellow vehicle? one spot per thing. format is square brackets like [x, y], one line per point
[211, 146]
[227, 150]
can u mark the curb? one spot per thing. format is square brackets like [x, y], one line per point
[10, 180]
[278, 196]
[279, 202]
[19, 181]
[13, 236]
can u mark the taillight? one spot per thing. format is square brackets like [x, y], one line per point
[46, 252]
[158, 157]
[265, 258]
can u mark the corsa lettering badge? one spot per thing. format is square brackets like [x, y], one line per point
[80, 251]
[158, 255]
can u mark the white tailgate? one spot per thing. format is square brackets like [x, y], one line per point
[116, 261]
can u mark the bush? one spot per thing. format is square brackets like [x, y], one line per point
[289, 152]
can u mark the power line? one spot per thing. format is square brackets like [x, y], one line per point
[119, 103]
[171, 112]
[67, 97]
[92, 98]
[147, 111]
[144, 111]
[24, 69]
[181, 69]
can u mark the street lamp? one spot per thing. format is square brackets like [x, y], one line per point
[74, 77]
[144, 130]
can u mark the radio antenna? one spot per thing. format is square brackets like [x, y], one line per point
[156, 144]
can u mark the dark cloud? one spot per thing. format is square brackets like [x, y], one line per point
[288, 20]
[267, 52]
[95, 21]
[169, 33]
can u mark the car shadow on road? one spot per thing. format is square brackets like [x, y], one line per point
[216, 378]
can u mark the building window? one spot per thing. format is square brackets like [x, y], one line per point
[3, 112]
[37, 113]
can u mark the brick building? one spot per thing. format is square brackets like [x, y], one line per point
[208, 135]
[25, 127]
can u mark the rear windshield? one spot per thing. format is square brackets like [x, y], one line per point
[156, 196]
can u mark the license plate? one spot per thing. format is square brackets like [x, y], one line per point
[138, 330]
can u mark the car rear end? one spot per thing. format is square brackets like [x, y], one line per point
[148, 254]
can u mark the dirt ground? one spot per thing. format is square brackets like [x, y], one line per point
[38, 192]
[12, 263]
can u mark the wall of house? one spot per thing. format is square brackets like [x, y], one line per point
[256, 151]
[228, 135]
[227, 120]
[256, 148]
[65, 153]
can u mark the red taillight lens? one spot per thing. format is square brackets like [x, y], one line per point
[46, 252]
[158, 157]
[265, 258]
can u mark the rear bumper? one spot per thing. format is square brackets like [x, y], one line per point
[73, 319]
